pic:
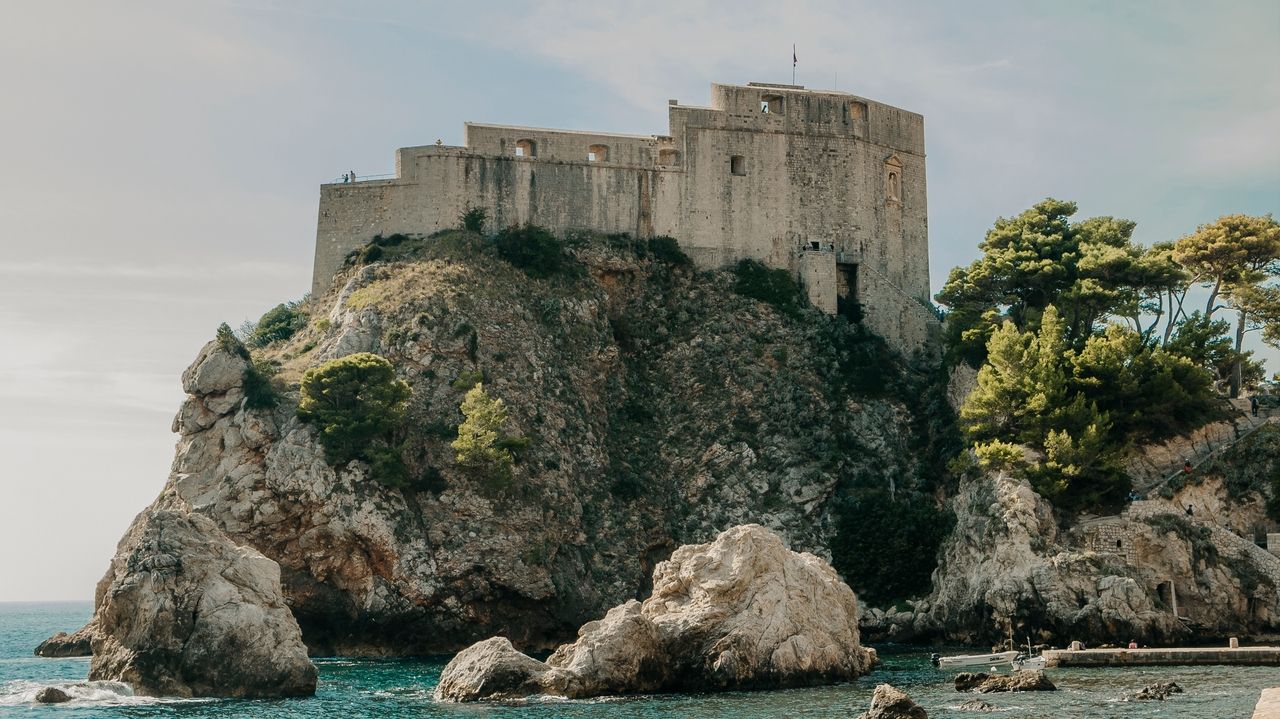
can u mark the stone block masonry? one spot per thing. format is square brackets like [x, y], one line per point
[828, 185]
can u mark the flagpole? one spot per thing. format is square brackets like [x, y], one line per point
[793, 64]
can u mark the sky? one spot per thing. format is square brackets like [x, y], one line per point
[162, 162]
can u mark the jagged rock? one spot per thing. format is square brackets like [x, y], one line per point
[741, 612]
[77, 644]
[889, 702]
[215, 371]
[1159, 691]
[183, 611]
[491, 669]
[976, 705]
[1016, 682]
[52, 695]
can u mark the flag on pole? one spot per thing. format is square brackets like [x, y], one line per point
[793, 56]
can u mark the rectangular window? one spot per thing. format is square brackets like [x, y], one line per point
[738, 165]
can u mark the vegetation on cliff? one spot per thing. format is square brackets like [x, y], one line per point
[1064, 320]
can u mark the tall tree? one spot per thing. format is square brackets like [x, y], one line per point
[1235, 257]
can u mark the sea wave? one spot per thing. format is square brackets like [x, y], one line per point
[94, 693]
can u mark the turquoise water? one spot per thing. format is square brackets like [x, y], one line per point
[389, 689]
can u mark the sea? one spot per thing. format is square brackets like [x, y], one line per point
[354, 688]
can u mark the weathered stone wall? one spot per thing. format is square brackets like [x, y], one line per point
[730, 181]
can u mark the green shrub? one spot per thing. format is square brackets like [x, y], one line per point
[279, 323]
[467, 379]
[776, 287]
[260, 391]
[532, 249]
[870, 526]
[472, 219]
[226, 337]
[667, 249]
[479, 436]
[354, 402]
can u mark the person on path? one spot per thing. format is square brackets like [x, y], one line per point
[1133, 644]
[1253, 405]
[1186, 466]
[1190, 510]
[353, 175]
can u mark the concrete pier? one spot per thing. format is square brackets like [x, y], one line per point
[1252, 656]
[1268, 706]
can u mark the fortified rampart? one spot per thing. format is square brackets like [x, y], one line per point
[824, 183]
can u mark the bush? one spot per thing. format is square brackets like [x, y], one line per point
[776, 287]
[353, 402]
[467, 379]
[259, 387]
[479, 440]
[472, 219]
[532, 249]
[870, 526]
[226, 337]
[667, 249]
[279, 323]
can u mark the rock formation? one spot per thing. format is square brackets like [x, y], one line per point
[77, 644]
[976, 705]
[1022, 681]
[743, 612]
[889, 702]
[183, 611]
[52, 695]
[1010, 567]
[1158, 691]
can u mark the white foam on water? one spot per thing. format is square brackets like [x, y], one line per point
[95, 693]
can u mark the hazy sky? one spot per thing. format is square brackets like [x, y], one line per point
[161, 163]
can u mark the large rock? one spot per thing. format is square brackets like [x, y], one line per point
[52, 695]
[741, 612]
[1024, 681]
[889, 702]
[491, 669]
[1158, 691]
[77, 644]
[183, 611]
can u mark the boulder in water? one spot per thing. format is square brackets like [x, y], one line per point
[52, 695]
[889, 702]
[184, 611]
[742, 612]
[1016, 682]
[1159, 691]
[78, 644]
[976, 705]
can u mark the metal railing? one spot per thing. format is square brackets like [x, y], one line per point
[342, 179]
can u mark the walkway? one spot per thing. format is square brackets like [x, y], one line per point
[1268, 704]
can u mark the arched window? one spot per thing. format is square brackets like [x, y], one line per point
[771, 104]
[893, 179]
[598, 153]
[526, 148]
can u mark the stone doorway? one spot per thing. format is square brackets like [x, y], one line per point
[847, 291]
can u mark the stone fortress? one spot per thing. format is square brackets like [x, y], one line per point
[826, 184]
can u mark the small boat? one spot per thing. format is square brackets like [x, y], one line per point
[974, 660]
[1025, 663]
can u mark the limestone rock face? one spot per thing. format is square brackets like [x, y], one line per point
[183, 611]
[77, 644]
[1010, 567]
[740, 612]
[889, 702]
[1023, 681]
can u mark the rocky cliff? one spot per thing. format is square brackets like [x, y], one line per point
[660, 407]
[655, 406]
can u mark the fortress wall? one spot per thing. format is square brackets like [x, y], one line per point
[560, 145]
[902, 321]
[438, 183]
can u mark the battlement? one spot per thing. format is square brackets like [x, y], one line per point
[764, 172]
